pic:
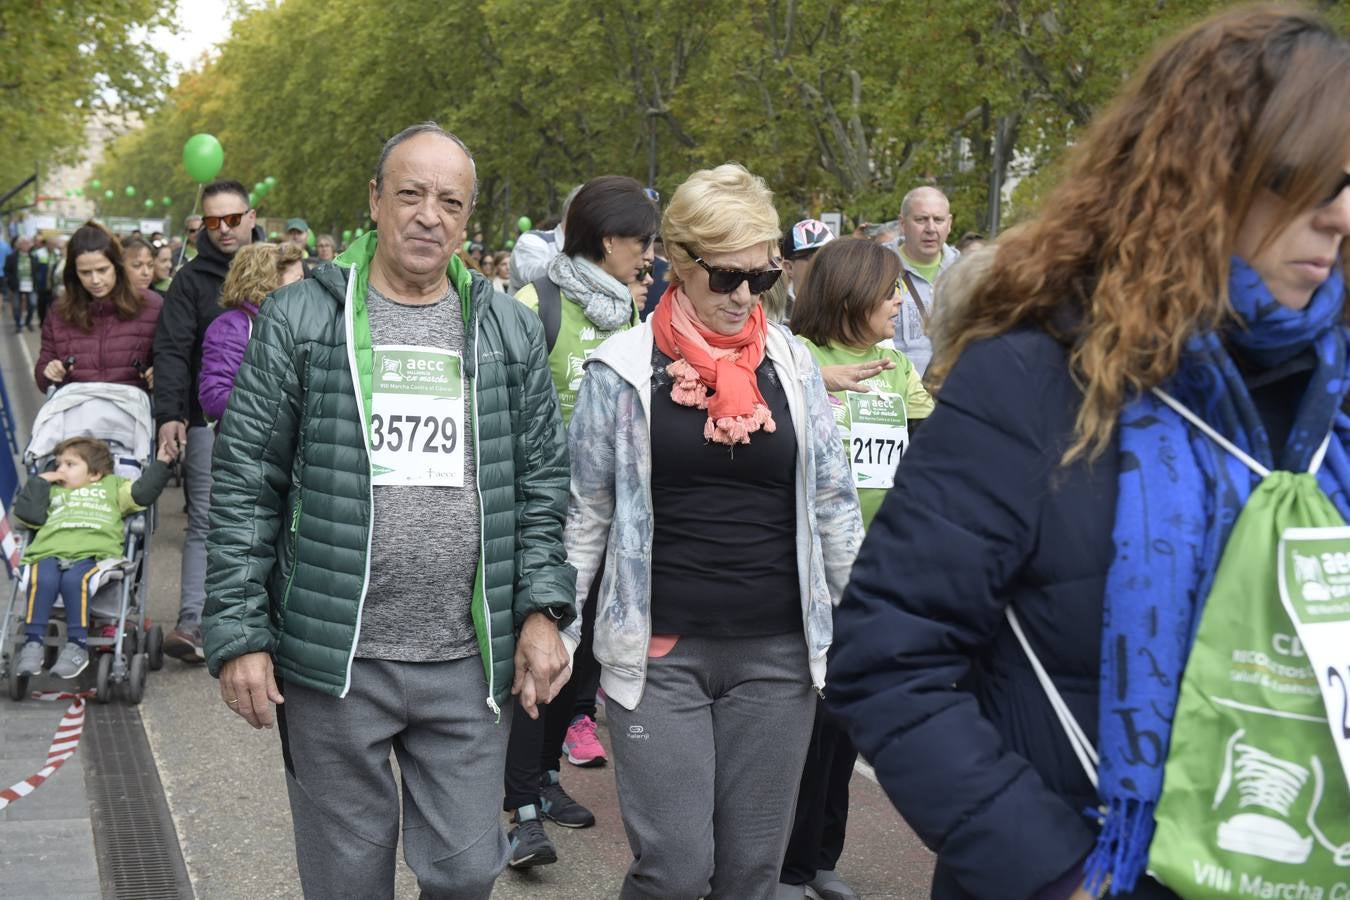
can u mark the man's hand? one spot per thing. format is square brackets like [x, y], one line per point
[542, 667]
[246, 685]
[850, 377]
[173, 436]
[53, 477]
[55, 371]
[149, 376]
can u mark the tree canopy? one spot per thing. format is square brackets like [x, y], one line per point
[838, 104]
[64, 62]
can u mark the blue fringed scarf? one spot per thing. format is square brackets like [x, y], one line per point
[1178, 499]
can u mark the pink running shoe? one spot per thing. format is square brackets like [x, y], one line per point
[581, 745]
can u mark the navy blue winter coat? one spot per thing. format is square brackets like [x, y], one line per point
[935, 690]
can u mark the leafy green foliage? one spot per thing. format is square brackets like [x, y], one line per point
[65, 61]
[836, 103]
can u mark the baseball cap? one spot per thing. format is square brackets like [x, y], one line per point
[808, 234]
[297, 225]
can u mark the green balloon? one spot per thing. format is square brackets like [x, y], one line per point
[131, 190]
[252, 199]
[149, 203]
[166, 201]
[108, 194]
[524, 223]
[510, 245]
[96, 184]
[270, 181]
[79, 192]
[202, 157]
[358, 232]
[346, 235]
[272, 236]
[259, 188]
[467, 245]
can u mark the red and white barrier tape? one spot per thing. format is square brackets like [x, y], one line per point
[64, 744]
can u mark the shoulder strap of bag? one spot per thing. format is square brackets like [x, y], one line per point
[1314, 465]
[550, 309]
[1082, 747]
[914, 292]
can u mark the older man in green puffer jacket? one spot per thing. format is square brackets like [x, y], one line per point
[391, 481]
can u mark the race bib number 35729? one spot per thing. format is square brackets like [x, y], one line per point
[417, 416]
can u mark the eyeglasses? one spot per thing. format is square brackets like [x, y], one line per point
[1336, 192]
[724, 281]
[644, 273]
[194, 230]
[1284, 175]
[232, 220]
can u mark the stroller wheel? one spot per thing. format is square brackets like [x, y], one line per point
[18, 685]
[134, 688]
[154, 648]
[103, 678]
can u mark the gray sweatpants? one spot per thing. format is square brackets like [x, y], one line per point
[197, 489]
[345, 803]
[707, 766]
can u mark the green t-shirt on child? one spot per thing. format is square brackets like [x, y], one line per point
[84, 522]
[875, 425]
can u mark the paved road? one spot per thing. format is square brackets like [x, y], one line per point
[223, 782]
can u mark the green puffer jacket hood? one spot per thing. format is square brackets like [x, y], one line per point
[289, 543]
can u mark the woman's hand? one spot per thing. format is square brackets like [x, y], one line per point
[55, 372]
[850, 377]
[53, 477]
[149, 376]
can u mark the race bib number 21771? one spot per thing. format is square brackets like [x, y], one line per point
[417, 416]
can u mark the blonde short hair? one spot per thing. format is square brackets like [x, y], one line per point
[256, 271]
[721, 210]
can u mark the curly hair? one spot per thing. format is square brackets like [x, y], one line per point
[256, 271]
[75, 305]
[1130, 256]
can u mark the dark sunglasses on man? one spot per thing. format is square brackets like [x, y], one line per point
[724, 281]
[232, 220]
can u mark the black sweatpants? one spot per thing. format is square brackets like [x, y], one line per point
[822, 802]
[535, 745]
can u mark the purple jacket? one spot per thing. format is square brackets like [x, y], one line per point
[222, 352]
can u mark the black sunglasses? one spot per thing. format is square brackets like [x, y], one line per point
[643, 273]
[724, 281]
[1284, 175]
[232, 220]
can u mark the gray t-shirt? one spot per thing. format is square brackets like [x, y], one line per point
[424, 539]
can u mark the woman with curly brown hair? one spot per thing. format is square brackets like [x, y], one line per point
[1193, 255]
[101, 322]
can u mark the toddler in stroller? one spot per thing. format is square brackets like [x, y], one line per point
[77, 513]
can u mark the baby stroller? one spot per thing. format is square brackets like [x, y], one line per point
[120, 644]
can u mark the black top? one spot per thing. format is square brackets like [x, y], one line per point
[724, 545]
[1277, 393]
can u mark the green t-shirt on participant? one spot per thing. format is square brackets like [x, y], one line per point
[84, 522]
[929, 272]
[881, 434]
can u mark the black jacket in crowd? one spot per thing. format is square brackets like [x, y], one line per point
[934, 688]
[192, 303]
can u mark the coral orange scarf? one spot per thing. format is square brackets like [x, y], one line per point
[706, 361]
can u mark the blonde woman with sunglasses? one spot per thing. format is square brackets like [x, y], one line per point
[712, 501]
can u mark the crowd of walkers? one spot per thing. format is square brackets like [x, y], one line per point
[775, 498]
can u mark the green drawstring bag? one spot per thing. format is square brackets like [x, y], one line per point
[1255, 801]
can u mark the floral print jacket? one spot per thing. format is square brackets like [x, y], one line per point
[610, 515]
